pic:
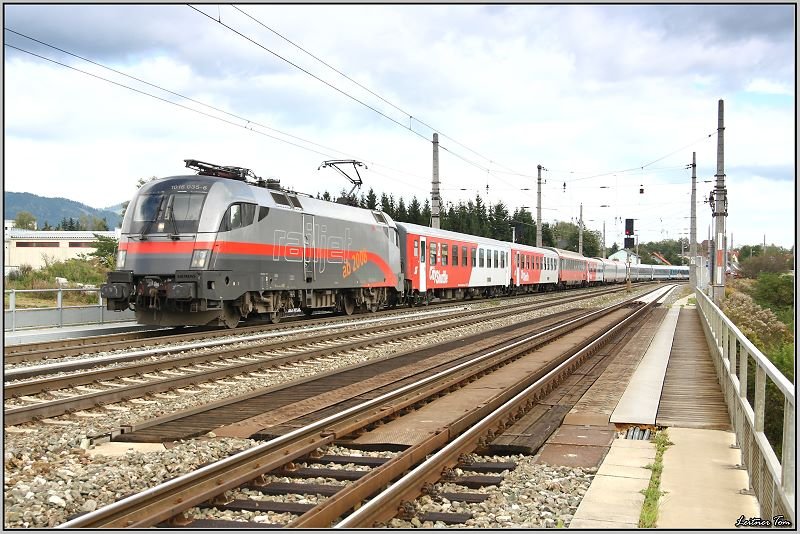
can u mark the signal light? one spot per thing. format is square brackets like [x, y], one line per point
[628, 226]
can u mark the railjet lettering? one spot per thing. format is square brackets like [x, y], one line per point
[436, 276]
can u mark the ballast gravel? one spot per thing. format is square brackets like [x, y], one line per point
[51, 473]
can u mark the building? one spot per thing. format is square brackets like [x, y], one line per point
[33, 247]
[622, 257]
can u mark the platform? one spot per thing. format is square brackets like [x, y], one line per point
[673, 386]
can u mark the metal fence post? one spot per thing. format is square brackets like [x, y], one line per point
[60, 305]
[100, 306]
[12, 301]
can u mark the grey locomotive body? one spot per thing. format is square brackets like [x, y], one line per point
[214, 249]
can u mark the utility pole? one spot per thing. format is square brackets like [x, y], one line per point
[693, 227]
[720, 212]
[580, 231]
[604, 239]
[435, 192]
[539, 206]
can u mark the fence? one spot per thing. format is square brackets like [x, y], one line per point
[771, 479]
[19, 318]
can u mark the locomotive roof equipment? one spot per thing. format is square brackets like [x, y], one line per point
[234, 173]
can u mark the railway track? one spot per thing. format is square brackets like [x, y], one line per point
[49, 350]
[481, 395]
[71, 391]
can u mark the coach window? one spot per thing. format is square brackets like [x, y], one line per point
[463, 256]
[422, 252]
[455, 255]
[432, 248]
[474, 257]
[503, 260]
[480, 260]
[444, 254]
[416, 248]
[496, 264]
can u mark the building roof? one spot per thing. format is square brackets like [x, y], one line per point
[56, 235]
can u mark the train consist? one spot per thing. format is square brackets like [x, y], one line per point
[223, 245]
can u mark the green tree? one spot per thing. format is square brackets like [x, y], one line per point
[773, 260]
[25, 220]
[105, 250]
[402, 212]
[414, 211]
[372, 200]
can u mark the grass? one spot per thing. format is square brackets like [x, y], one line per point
[649, 514]
[692, 301]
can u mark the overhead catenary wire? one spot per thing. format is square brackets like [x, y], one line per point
[341, 91]
[398, 108]
[248, 122]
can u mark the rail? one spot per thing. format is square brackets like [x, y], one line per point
[771, 479]
[59, 315]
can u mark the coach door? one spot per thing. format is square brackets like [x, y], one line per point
[309, 248]
[517, 279]
[423, 272]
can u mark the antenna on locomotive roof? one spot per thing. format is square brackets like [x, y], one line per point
[357, 182]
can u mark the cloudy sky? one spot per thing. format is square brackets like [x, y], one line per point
[606, 98]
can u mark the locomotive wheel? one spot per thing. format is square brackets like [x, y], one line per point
[348, 304]
[275, 318]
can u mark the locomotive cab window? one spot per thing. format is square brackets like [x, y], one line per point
[167, 211]
[238, 215]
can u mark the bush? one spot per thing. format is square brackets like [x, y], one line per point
[760, 326]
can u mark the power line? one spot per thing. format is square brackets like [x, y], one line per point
[345, 93]
[409, 115]
[245, 126]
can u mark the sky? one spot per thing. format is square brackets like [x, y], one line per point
[608, 99]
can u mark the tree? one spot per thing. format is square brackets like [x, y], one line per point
[414, 211]
[773, 260]
[47, 226]
[25, 220]
[614, 248]
[105, 250]
[372, 200]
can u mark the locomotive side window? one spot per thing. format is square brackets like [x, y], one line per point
[263, 211]
[463, 256]
[238, 215]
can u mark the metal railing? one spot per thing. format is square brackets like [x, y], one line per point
[772, 480]
[15, 318]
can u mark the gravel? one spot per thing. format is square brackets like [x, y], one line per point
[50, 475]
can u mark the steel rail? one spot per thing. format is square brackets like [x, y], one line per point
[52, 408]
[70, 347]
[383, 506]
[172, 497]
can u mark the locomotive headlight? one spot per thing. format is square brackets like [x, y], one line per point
[121, 254]
[200, 258]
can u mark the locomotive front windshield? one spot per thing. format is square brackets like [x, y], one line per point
[173, 212]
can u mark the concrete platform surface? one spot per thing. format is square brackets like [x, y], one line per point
[639, 402]
[700, 481]
[615, 498]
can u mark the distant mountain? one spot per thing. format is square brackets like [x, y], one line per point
[53, 210]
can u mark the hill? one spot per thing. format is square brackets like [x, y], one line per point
[52, 210]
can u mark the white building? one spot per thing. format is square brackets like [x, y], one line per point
[622, 256]
[32, 247]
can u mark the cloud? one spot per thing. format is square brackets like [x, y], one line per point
[761, 85]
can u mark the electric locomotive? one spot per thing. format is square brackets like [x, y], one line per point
[223, 245]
